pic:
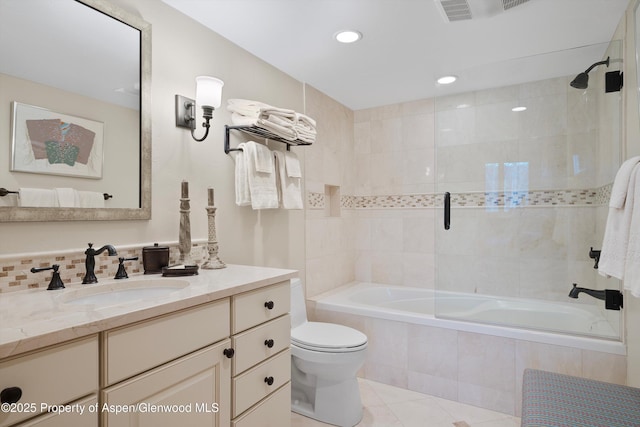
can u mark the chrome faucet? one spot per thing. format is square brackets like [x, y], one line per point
[90, 261]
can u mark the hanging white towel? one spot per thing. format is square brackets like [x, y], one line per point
[37, 197]
[289, 188]
[292, 164]
[91, 199]
[243, 196]
[67, 197]
[620, 256]
[262, 185]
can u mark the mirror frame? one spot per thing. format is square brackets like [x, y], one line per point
[18, 214]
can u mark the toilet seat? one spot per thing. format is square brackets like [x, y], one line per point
[328, 337]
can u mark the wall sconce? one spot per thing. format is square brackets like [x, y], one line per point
[208, 97]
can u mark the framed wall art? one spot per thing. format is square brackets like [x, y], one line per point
[47, 142]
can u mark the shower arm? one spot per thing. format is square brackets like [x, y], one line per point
[606, 61]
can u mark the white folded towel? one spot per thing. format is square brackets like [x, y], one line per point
[305, 121]
[90, 199]
[262, 185]
[37, 197]
[283, 113]
[243, 196]
[620, 256]
[292, 164]
[240, 120]
[67, 197]
[285, 132]
[246, 107]
[289, 188]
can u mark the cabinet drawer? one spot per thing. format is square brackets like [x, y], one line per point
[69, 419]
[190, 391]
[259, 306]
[250, 387]
[53, 376]
[274, 411]
[252, 346]
[133, 349]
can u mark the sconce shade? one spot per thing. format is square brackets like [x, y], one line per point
[208, 91]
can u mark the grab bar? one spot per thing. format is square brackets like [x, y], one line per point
[447, 210]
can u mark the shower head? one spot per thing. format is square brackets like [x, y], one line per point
[582, 80]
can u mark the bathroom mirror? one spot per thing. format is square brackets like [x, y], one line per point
[70, 62]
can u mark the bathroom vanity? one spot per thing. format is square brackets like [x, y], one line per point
[211, 349]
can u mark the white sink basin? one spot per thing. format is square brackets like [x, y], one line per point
[123, 292]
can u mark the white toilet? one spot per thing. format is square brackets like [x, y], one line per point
[325, 358]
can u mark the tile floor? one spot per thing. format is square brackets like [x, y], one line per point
[388, 406]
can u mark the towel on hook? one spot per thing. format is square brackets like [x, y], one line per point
[243, 196]
[67, 197]
[289, 188]
[620, 256]
[90, 199]
[37, 197]
[262, 185]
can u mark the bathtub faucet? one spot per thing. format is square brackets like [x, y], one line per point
[613, 298]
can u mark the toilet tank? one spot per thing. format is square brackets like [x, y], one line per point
[298, 307]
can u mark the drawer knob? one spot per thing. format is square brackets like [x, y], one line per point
[269, 343]
[269, 305]
[268, 380]
[10, 395]
[229, 352]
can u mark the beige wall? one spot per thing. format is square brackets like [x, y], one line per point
[181, 50]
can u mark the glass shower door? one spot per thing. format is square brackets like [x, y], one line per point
[529, 168]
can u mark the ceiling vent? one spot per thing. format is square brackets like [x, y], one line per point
[508, 4]
[464, 10]
[454, 10]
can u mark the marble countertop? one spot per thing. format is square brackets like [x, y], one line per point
[36, 318]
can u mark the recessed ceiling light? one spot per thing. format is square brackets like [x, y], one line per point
[518, 109]
[348, 36]
[447, 80]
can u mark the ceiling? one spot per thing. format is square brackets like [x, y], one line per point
[407, 44]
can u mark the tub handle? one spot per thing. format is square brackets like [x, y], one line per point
[447, 210]
[269, 380]
[269, 343]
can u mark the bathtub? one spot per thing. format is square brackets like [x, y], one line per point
[569, 324]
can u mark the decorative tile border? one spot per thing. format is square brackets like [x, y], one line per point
[15, 274]
[589, 197]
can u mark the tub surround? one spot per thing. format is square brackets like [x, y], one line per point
[468, 365]
[35, 318]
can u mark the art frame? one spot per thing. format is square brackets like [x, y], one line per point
[51, 143]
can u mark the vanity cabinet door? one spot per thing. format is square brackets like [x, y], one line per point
[191, 391]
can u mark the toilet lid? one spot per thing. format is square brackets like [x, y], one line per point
[327, 337]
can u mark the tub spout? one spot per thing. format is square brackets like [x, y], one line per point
[576, 291]
[613, 298]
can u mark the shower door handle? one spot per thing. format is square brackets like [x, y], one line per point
[447, 210]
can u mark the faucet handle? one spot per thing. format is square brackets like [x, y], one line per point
[593, 254]
[56, 281]
[122, 273]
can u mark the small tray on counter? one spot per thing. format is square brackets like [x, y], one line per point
[187, 270]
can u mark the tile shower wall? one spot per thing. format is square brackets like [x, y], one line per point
[329, 221]
[545, 161]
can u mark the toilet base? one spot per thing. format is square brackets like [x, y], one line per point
[333, 403]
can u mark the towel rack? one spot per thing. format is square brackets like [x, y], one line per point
[258, 131]
[4, 192]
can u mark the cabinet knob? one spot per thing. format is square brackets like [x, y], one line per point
[269, 343]
[269, 305]
[10, 395]
[268, 380]
[229, 352]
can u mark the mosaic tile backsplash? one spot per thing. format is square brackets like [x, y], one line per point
[15, 274]
[589, 197]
